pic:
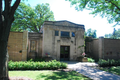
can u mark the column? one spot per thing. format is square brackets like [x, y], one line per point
[101, 47]
[25, 42]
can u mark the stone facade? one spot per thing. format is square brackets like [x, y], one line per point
[23, 45]
[52, 43]
[60, 39]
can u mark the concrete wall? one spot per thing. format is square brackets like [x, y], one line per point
[52, 43]
[95, 48]
[17, 42]
[104, 48]
[111, 48]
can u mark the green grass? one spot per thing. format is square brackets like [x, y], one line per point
[48, 75]
[114, 70]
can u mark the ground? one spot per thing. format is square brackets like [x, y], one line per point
[19, 78]
[25, 78]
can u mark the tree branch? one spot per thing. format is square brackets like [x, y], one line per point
[0, 12]
[114, 4]
[1, 17]
[36, 28]
[14, 7]
[7, 5]
[116, 12]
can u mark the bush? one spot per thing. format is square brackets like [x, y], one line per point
[108, 63]
[90, 60]
[36, 59]
[31, 65]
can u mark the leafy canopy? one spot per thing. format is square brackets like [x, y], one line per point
[27, 18]
[106, 8]
[114, 35]
[91, 33]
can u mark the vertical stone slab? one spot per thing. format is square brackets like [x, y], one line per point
[58, 51]
[101, 48]
[25, 42]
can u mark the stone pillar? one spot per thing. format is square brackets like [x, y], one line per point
[101, 47]
[25, 42]
[58, 50]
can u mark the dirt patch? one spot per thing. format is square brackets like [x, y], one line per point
[19, 78]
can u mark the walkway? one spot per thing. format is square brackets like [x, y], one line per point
[96, 74]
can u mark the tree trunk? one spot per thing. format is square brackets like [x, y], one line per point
[3, 61]
[6, 19]
[4, 34]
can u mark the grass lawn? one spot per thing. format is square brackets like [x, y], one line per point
[114, 70]
[48, 75]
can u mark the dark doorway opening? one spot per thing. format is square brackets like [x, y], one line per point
[64, 53]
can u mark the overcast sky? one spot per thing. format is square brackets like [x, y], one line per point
[64, 11]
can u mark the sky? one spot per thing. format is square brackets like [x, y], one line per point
[64, 11]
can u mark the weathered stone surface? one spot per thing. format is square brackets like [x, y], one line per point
[15, 44]
[52, 43]
[20, 45]
[37, 37]
[103, 48]
[25, 42]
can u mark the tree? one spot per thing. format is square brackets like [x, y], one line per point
[91, 33]
[6, 19]
[27, 18]
[114, 35]
[108, 35]
[106, 8]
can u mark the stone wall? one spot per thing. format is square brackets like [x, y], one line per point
[95, 49]
[17, 46]
[37, 37]
[112, 48]
[103, 48]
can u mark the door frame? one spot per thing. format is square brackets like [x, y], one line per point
[68, 58]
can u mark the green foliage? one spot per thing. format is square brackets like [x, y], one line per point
[114, 35]
[31, 65]
[90, 60]
[106, 8]
[27, 18]
[36, 59]
[91, 33]
[82, 46]
[114, 70]
[108, 63]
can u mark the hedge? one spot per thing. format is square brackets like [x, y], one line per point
[108, 63]
[31, 65]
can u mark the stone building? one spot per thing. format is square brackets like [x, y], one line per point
[59, 39]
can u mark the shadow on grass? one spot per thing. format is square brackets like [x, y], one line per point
[61, 75]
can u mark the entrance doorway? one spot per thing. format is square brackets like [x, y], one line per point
[64, 53]
[33, 52]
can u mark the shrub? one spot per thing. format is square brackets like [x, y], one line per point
[90, 60]
[36, 59]
[31, 65]
[108, 63]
